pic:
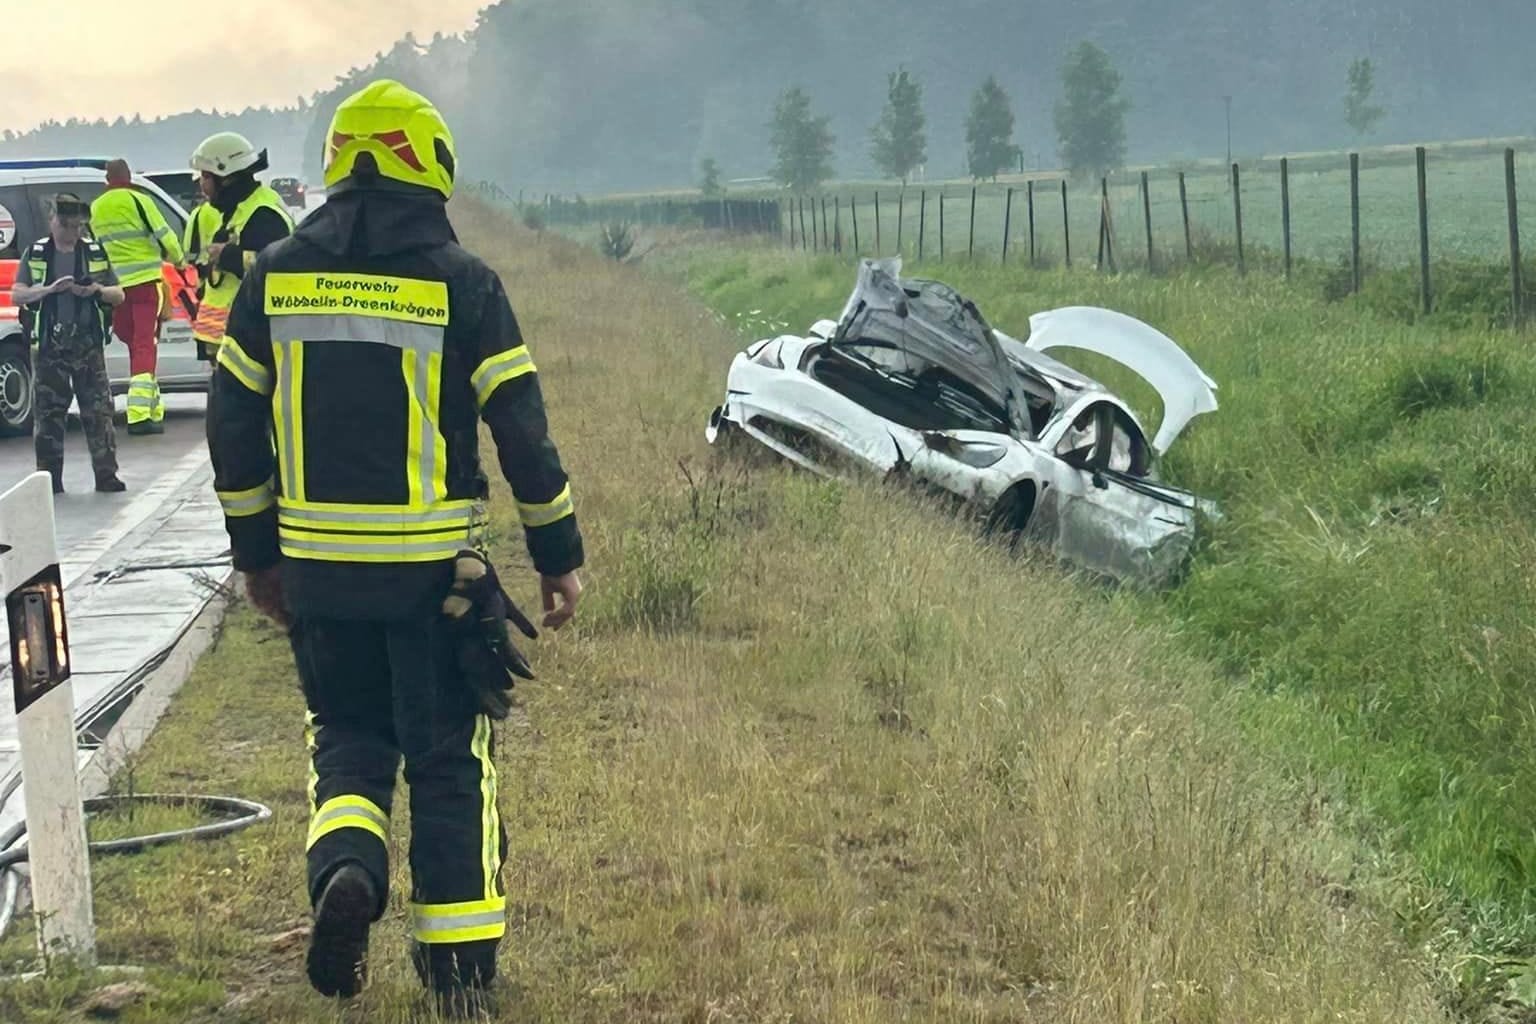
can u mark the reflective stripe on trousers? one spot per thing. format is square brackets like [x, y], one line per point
[145, 403]
[378, 692]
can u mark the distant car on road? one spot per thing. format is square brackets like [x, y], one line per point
[25, 188]
[180, 185]
[291, 189]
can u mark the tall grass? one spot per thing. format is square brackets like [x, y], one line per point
[811, 752]
[1369, 590]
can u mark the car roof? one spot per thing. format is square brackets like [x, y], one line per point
[57, 175]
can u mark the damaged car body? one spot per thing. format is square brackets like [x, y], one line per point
[912, 381]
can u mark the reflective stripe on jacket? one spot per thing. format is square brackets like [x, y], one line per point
[362, 356]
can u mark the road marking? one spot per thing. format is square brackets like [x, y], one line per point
[84, 556]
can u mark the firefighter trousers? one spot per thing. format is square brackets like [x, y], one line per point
[380, 692]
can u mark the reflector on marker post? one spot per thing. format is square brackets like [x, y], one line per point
[34, 608]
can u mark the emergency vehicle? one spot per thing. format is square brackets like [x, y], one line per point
[25, 188]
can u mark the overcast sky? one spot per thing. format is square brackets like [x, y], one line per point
[276, 51]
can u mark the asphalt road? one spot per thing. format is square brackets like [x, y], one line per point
[80, 511]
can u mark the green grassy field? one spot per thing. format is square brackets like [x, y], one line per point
[1369, 594]
[1468, 216]
[812, 752]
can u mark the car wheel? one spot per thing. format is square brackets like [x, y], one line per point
[15, 390]
[1008, 518]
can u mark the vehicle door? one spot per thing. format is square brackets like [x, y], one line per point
[867, 418]
[1108, 514]
[18, 229]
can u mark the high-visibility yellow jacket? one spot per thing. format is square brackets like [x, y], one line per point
[134, 233]
[221, 280]
[201, 227]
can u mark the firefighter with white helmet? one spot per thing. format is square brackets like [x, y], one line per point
[249, 216]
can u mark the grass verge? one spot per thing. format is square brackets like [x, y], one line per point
[1369, 589]
[811, 753]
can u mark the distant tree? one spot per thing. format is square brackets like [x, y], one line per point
[989, 147]
[709, 177]
[899, 140]
[1090, 116]
[1359, 112]
[802, 141]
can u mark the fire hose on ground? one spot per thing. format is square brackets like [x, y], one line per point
[234, 815]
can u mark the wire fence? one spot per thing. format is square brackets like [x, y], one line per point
[1426, 210]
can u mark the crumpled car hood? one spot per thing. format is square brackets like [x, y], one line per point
[933, 322]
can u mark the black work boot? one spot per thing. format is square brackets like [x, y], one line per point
[459, 990]
[108, 483]
[338, 949]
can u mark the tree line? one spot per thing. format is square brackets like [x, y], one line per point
[1089, 119]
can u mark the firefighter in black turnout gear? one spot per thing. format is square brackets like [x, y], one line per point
[360, 356]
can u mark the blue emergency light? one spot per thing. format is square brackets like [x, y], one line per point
[45, 163]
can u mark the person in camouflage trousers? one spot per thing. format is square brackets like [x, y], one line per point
[69, 286]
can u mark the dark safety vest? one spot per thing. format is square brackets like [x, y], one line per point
[90, 260]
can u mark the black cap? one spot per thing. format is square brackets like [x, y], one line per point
[67, 204]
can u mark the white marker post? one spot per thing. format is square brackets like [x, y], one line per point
[45, 704]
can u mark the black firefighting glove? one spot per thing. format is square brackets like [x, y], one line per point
[482, 616]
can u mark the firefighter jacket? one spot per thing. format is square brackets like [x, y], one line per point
[250, 217]
[344, 421]
[135, 235]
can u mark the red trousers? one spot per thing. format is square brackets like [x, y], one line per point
[137, 322]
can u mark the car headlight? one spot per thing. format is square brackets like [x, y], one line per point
[768, 353]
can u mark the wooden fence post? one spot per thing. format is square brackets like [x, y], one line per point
[1189, 242]
[1029, 198]
[878, 247]
[922, 226]
[1007, 222]
[853, 211]
[1066, 227]
[1516, 286]
[941, 225]
[901, 217]
[1285, 211]
[802, 222]
[837, 224]
[970, 245]
[826, 234]
[1424, 292]
[1146, 215]
[1354, 219]
[1237, 212]
[1106, 228]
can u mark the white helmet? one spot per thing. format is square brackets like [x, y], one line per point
[226, 153]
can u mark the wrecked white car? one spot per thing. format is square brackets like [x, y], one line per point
[912, 381]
